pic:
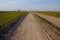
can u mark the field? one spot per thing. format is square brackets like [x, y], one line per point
[55, 14]
[7, 17]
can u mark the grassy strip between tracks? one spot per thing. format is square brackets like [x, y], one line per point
[7, 17]
[47, 25]
[50, 13]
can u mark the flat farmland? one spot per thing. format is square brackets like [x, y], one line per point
[50, 13]
[7, 17]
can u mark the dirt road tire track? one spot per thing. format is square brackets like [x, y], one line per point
[29, 29]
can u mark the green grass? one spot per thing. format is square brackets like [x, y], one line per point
[8, 17]
[54, 14]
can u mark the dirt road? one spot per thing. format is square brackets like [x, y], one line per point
[29, 29]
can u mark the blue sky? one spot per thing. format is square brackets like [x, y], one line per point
[43, 5]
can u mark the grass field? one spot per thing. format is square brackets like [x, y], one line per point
[55, 14]
[6, 17]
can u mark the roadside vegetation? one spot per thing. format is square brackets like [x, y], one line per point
[50, 13]
[7, 17]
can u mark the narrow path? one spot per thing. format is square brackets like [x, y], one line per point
[29, 29]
